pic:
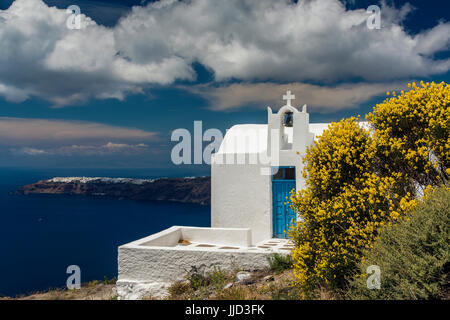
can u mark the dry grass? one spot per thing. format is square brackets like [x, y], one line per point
[263, 285]
[94, 290]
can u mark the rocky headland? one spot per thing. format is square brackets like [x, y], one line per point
[185, 190]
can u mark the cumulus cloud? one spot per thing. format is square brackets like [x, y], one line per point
[320, 98]
[42, 57]
[23, 132]
[249, 40]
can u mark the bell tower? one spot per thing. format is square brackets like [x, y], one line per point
[292, 126]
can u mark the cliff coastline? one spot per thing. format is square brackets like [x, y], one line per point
[185, 190]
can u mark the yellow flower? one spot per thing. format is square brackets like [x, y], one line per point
[357, 181]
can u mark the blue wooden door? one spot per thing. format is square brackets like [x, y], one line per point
[283, 215]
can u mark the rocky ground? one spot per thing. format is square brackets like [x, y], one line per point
[259, 285]
[94, 290]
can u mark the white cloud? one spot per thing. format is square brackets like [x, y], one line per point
[29, 151]
[85, 150]
[13, 94]
[106, 149]
[434, 40]
[280, 40]
[319, 98]
[42, 57]
[264, 40]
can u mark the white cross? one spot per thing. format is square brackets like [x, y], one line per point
[288, 97]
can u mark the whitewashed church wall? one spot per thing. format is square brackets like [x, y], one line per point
[241, 197]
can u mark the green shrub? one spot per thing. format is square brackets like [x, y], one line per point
[197, 280]
[217, 279]
[113, 280]
[280, 262]
[413, 256]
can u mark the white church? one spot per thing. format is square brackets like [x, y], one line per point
[253, 194]
[252, 175]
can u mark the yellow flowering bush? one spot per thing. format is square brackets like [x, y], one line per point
[343, 205]
[412, 130]
[359, 181]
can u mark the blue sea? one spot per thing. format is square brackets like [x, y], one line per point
[41, 235]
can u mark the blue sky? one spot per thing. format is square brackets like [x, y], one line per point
[110, 94]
